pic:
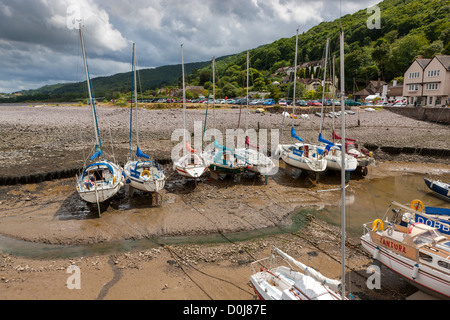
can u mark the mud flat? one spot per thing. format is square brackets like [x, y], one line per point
[53, 138]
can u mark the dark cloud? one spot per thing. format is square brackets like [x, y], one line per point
[38, 44]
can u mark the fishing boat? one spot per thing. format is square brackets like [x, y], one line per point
[435, 217]
[100, 180]
[191, 164]
[440, 188]
[140, 171]
[304, 156]
[296, 281]
[417, 252]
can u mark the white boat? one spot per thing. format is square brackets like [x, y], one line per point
[99, 180]
[418, 252]
[284, 282]
[296, 281]
[333, 154]
[140, 171]
[257, 161]
[190, 164]
[304, 156]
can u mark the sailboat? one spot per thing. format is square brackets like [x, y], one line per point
[191, 164]
[297, 281]
[416, 251]
[140, 171]
[305, 156]
[332, 152]
[256, 160]
[101, 179]
[222, 159]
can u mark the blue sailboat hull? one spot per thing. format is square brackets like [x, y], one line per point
[440, 188]
[435, 217]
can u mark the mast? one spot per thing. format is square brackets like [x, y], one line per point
[94, 115]
[295, 77]
[246, 113]
[343, 162]
[135, 94]
[323, 83]
[184, 103]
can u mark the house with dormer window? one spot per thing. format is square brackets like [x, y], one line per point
[427, 82]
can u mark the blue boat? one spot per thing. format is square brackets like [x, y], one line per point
[440, 188]
[434, 217]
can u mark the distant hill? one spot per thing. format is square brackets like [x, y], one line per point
[408, 28]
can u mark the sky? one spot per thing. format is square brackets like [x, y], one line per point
[40, 42]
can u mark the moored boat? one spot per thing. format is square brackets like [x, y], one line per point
[418, 252]
[440, 188]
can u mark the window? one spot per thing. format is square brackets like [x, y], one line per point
[444, 264]
[438, 101]
[413, 75]
[425, 257]
[413, 87]
[430, 101]
[433, 73]
[432, 86]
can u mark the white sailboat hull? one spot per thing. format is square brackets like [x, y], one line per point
[257, 161]
[191, 166]
[334, 161]
[108, 180]
[427, 278]
[144, 176]
[282, 283]
[292, 155]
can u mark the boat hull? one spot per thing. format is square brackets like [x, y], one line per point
[292, 155]
[108, 180]
[439, 188]
[191, 166]
[137, 177]
[426, 279]
[257, 161]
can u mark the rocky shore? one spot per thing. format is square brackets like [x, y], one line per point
[53, 140]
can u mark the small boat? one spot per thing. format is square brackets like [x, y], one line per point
[222, 159]
[418, 252]
[363, 156]
[256, 160]
[439, 188]
[435, 217]
[304, 156]
[190, 164]
[140, 171]
[283, 282]
[102, 179]
[332, 153]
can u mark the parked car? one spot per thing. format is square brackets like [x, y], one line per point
[282, 102]
[269, 102]
[400, 104]
[352, 103]
[313, 103]
[301, 103]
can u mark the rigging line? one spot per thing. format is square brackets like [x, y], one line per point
[185, 272]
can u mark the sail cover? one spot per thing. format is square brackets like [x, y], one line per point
[294, 135]
[140, 154]
[98, 152]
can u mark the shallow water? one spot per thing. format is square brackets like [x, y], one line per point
[363, 204]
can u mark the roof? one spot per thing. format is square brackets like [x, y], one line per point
[364, 92]
[445, 60]
[423, 62]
